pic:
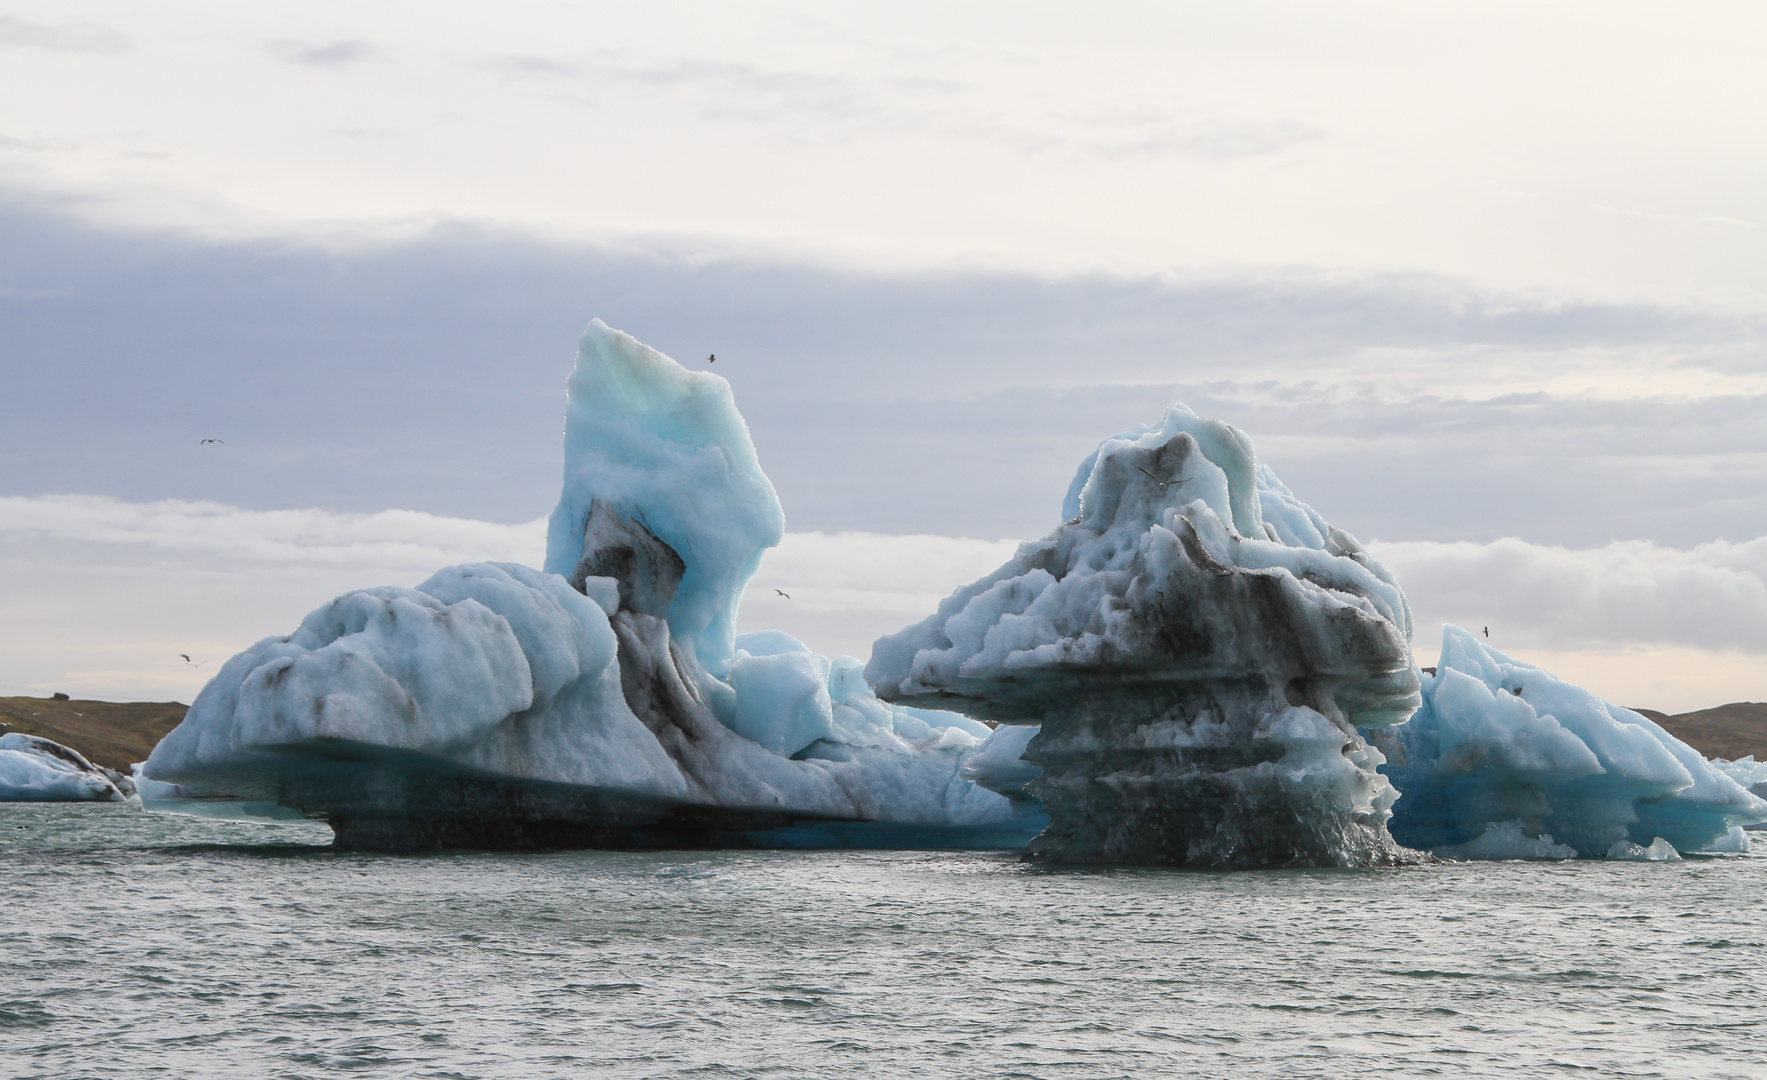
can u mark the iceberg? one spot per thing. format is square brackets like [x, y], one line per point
[1503, 756]
[1198, 650]
[1193, 668]
[605, 701]
[35, 769]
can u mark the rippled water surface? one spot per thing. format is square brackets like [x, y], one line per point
[140, 945]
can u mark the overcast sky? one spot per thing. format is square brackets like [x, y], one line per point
[1487, 285]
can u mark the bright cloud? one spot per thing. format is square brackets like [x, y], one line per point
[106, 594]
[1633, 593]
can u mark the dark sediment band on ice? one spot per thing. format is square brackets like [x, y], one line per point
[379, 800]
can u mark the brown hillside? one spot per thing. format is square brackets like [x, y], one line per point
[1727, 731]
[115, 734]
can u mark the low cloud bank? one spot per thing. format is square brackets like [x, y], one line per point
[176, 529]
[106, 594]
[1713, 596]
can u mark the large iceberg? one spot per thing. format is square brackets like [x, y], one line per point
[1506, 760]
[35, 769]
[1199, 649]
[605, 701]
[1194, 668]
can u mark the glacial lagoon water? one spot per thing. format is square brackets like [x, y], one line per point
[141, 945]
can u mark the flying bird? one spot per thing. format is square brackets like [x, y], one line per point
[1164, 484]
[783, 593]
[1487, 631]
[205, 442]
[192, 663]
[712, 359]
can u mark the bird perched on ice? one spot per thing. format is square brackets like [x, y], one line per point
[205, 442]
[783, 593]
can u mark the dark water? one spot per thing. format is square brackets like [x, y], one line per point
[135, 945]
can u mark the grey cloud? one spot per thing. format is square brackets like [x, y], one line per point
[427, 374]
[734, 91]
[18, 33]
[1229, 138]
[766, 95]
[525, 65]
[793, 90]
[324, 54]
[1222, 138]
[1712, 596]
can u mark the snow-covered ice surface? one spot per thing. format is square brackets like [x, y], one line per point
[1506, 760]
[605, 701]
[35, 769]
[1199, 648]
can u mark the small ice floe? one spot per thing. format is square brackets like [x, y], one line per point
[35, 769]
[1508, 840]
[1659, 850]
[1734, 842]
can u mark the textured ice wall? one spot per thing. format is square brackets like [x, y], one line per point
[1506, 760]
[1199, 647]
[665, 447]
[34, 769]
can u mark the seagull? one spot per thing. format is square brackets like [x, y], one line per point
[205, 442]
[1164, 484]
[712, 359]
[783, 593]
[192, 663]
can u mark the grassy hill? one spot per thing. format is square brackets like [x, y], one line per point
[110, 733]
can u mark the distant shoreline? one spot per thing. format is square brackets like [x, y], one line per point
[116, 734]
